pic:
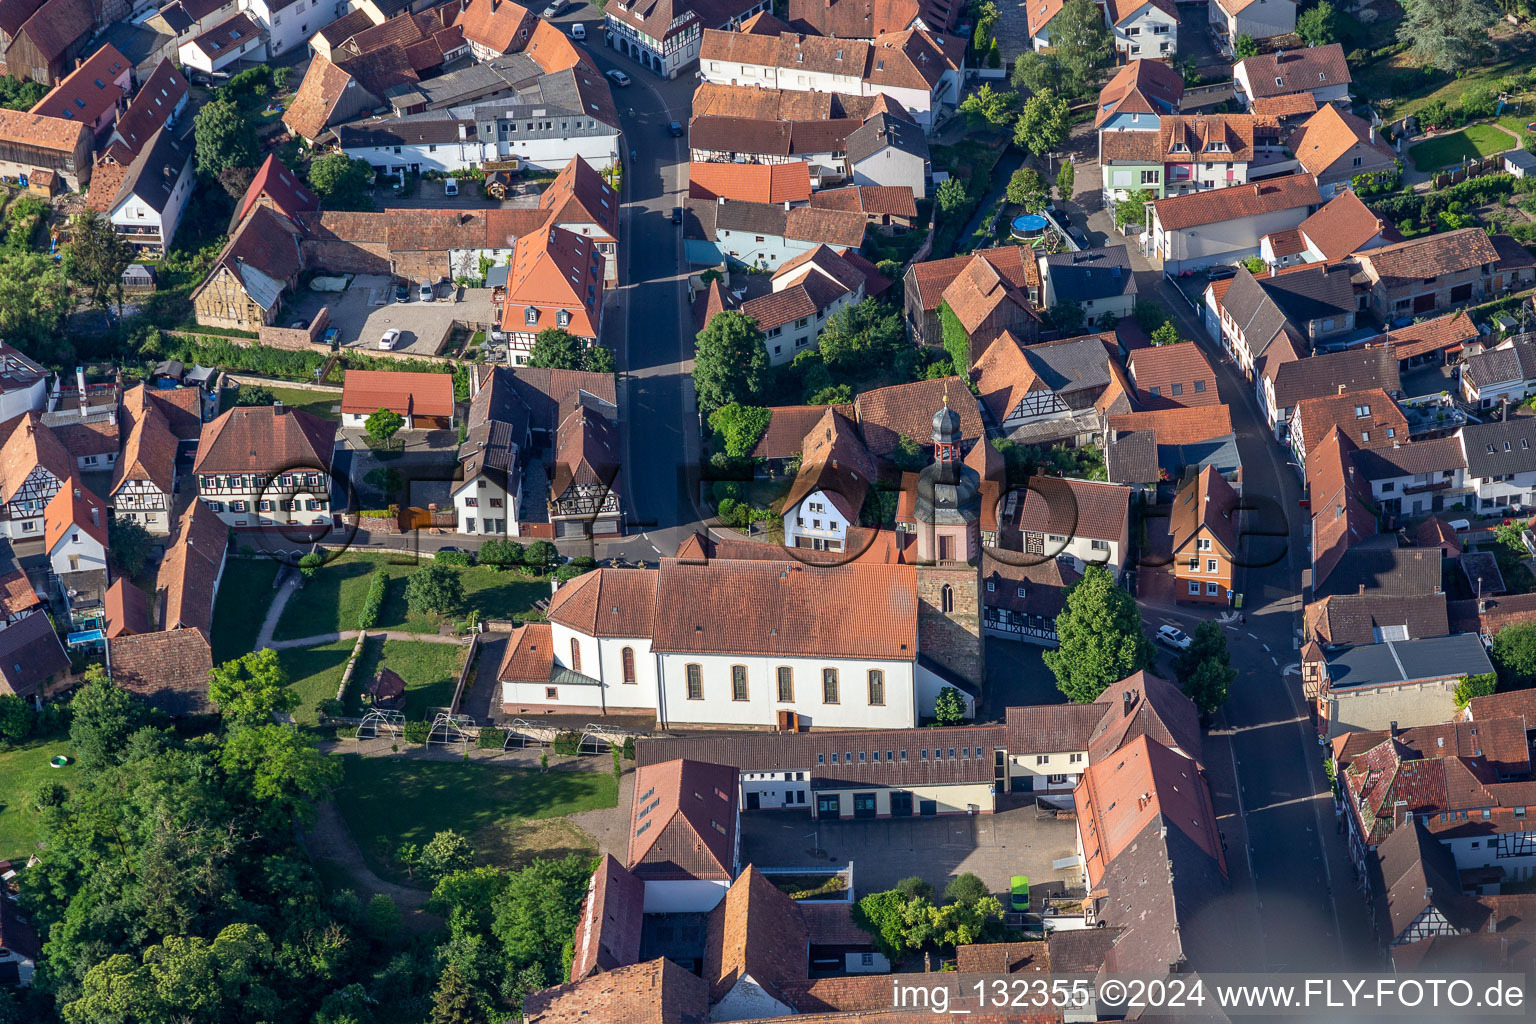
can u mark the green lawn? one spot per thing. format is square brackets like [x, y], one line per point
[510, 815]
[315, 672]
[1474, 141]
[430, 671]
[330, 602]
[245, 594]
[21, 769]
[316, 403]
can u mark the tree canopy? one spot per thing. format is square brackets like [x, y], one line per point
[1318, 25]
[1027, 188]
[731, 363]
[738, 428]
[96, 257]
[224, 138]
[383, 424]
[1101, 637]
[1043, 125]
[435, 588]
[865, 333]
[341, 182]
[1514, 655]
[1081, 41]
[989, 106]
[1451, 35]
[252, 688]
[1132, 210]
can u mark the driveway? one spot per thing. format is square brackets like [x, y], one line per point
[367, 308]
[885, 850]
[424, 459]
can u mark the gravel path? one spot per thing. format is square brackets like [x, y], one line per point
[331, 840]
[351, 634]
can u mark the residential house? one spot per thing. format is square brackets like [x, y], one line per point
[1283, 382]
[1204, 527]
[1052, 392]
[889, 414]
[18, 598]
[1501, 463]
[1263, 321]
[23, 384]
[93, 92]
[1394, 682]
[1415, 478]
[784, 438]
[423, 400]
[685, 835]
[1099, 281]
[1256, 19]
[1335, 147]
[185, 20]
[329, 95]
[257, 266]
[989, 293]
[1433, 342]
[1344, 225]
[1437, 272]
[805, 292]
[1319, 70]
[418, 143]
[1225, 225]
[889, 209]
[45, 46]
[1143, 28]
[847, 19]
[836, 471]
[1368, 417]
[324, 43]
[1415, 889]
[144, 480]
[581, 201]
[222, 45]
[1172, 377]
[277, 187]
[821, 145]
[765, 235]
[264, 466]
[33, 142]
[31, 657]
[289, 23]
[168, 669]
[147, 209]
[191, 572]
[889, 150]
[75, 541]
[1496, 376]
[915, 68]
[1021, 597]
[556, 280]
[157, 104]
[555, 117]
[33, 466]
[586, 488]
[787, 183]
[1191, 153]
[1372, 616]
[1139, 95]
[1085, 522]
[665, 35]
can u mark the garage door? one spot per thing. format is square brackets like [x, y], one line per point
[606, 526]
[570, 528]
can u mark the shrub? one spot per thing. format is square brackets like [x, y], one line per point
[378, 589]
[462, 559]
[501, 554]
[346, 732]
[49, 794]
[329, 708]
[310, 564]
[415, 732]
[491, 739]
[629, 748]
[568, 743]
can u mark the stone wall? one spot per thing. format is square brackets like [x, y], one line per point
[953, 638]
[338, 257]
[296, 338]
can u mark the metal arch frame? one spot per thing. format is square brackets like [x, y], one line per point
[390, 719]
[452, 726]
[596, 733]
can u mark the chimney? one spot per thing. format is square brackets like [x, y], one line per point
[95, 515]
[1274, 268]
[1257, 190]
[277, 407]
[1129, 700]
[1392, 730]
[1373, 135]
[1400, 816]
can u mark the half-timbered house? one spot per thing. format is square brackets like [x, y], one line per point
[144, 482]
[33, 465]
[1060, 391]
[263, 466]
[584, 492]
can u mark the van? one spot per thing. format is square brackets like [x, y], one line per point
[578, 31]
[1459, 525]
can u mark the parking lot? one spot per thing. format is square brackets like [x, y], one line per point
[886, 850]
[367, 308]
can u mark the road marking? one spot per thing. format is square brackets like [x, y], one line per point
[1266, 647]
[1252, 636]
[1273, 662]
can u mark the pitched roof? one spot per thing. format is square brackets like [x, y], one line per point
[1296, 70]
[17, 933]
[152, 106]
[57, 25]
[1119, 10]
[835, 462]
[984, 285]
[1343, 619]
[1207, 502]
[43, 131]
[1082, 508]
[586, 453]
[279, 186]
[1002, 957]
[156, 172]
[579, 193]
[1431, 255]
[1039, 13]
[745, 101]
[1090, 274]
[168, 669]
[17, 595]
[1156, 369]
[1341, 226]
[418, 394]
[758, 183]
[262, 254]
[885, 130]
[1324, 139]
[1053, 728]
[1176, 213]
[608, 933]
[895, 200]
[1410, 872]
[1177, 426]
[1334, 373]
[530, 655]
[189, 573]
[1500, 446]
[1432, 455]
[888, 414]
[1512, 362]
[74, 507]
[1141, 87]
[1143, 704]
[553, 272]
[264, 439]
[1368, 417]
[30, 655]
[89, 91]
[28, 444]
[755, 932]
[655, 992]
[684, 820]
[310, 111]
[1289, 105]
[126, 608]
[227, 35]
[787, 427]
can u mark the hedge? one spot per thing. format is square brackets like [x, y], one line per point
[378, 589]
[568, 743]
[491, 739]
[416, 732]
[462, 559]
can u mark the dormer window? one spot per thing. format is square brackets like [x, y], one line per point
[563, 318]
[530, 315]
[1179, 147]
[1322, 76]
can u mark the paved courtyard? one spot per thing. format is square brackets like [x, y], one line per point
[367, 308]
[886, 850]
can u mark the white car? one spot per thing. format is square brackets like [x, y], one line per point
[450, 186]
[578, 31]
[1174, 637]
[389, 339]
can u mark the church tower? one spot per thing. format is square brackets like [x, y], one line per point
[947, 510]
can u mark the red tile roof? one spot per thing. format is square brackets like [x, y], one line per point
[279, 186]
[684, 820]
[74, 507]
[607, 602]
[755, 932]
[17, 595]
[418, 394]
[1164, 366]
[888, 414]
[1341, 227]
[1082, 508]
[1272, 195]
[90, 90]
[555, 271]
[1317, 416]
[127, 609]
[1178, 426]
[608, 933]
[655, 992]
[530, 656]
[260, 439]
[1442, 333]
[169, 669]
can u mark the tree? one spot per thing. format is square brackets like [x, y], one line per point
[252, 394]
[224, 138]
[434, 588]
[446, 853]
[1044, 123]
[1082, 42]
[1318, 25]
[252, 688]
[1166, 334]
[535, 915]
[738, 428]
[1206, 643]
[915, 887]
[1101, 637]
[1026, 188]
[456, 1001]
[310, 564]
[96, 257]
[949, 707]
[383, 916]
[1040, 73]
[540, 555]
[1514, 655]
[1150, 316]
[281, 767]
[103, 717]
[951, 196]
[1451, 35]
[342, 183]
[1132, 210]
[34, 298]
[731, 363]
[882, 915]
[383, 424]
[556, 349]
[1066, 181]
[598, 359]
[988, 106]
[868, 332]
[966, 888]
[1469, 688]
[128, 546]
[16, 718]
[1207, 686]
[1244, 47]
[501, 553]
[1067, 318]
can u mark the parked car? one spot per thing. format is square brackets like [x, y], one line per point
[1529, 540]
[1019, 893]
[450, 186]
[578, 31]
[618, 78]
[427, 294]
[1459, 525]
[1221, 273]
[402, 292]
[557, 8]
[677, 215]
[1174, 637]
[389, 339]
[675, 129]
